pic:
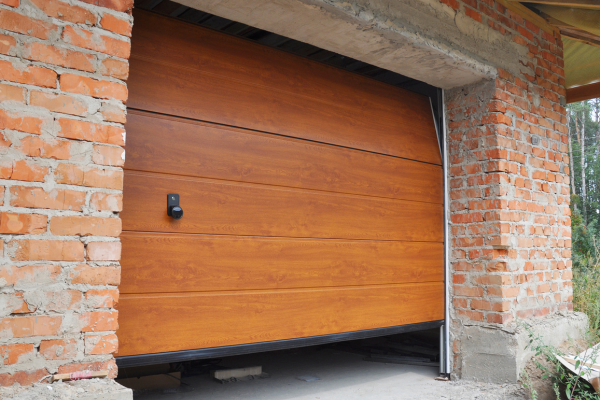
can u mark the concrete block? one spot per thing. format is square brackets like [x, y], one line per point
[553, 330]
[489, 368]
[498, 355]
[223, 374]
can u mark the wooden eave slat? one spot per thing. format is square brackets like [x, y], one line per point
[572, 32]
[553, 21]
[591, 4]
[581, 36]
[585, 92]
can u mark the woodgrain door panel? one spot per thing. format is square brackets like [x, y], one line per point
[255, 107]
[202, 320]
[222, 56]
[159, 144]
[232, 208]
[171, 263]
[312, 197]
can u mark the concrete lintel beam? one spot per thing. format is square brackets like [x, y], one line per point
[427, 40]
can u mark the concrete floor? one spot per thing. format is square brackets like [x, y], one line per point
[343, 376]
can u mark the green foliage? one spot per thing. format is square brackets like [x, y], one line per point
[585, 243]
[584, 131]
[586, 295]
[566, 384]
[527, 384]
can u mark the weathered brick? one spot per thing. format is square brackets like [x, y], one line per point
[108, 365]
[93, 87]
[117, 5]
[5, 143]
[505, 292]
[116, 25]
[23, 378]
[115, 68]
[48, 250]
[65, 11]
[473, 14]
[29, 275]
[15, 353]
[496, 118]
[61, 56]
[8, 45]
[58, 199]
[88, 275]
[499, 318]
[98, 321]
[35, 146]
[85, 226]
[11, 3]
[104, 298]
[23, 170]
[82, 130]
[18, 122]
[468, 291]
[15, 22]
[104, 251]
[107, 155]
[106, 344]
[112, 113]
[107, 202]
[97, 42]
[452, 3]
[13, 303]
[26, 326]
[22, 224]
[62, 300]
[60, 103]
[88, 176]
[12, 93]
[28, 74]
[58, 349]
[470, 315]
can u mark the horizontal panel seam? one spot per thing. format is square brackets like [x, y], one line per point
[232, 182]
[277, 291]
[217, 235]
[214, 181]
[141, 111]
[272, 88]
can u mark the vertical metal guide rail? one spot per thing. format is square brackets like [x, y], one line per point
[436, 97]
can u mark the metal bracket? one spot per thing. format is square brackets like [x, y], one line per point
[173, 208]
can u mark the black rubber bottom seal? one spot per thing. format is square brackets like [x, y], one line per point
[225, 351]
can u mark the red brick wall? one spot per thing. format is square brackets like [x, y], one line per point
[62, 109]
[509, 196]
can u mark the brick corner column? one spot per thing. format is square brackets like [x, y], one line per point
[63, 67]
[510, 225]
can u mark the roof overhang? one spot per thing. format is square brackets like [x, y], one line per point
[578, 22]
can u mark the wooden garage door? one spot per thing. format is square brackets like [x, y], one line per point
[312, 197]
